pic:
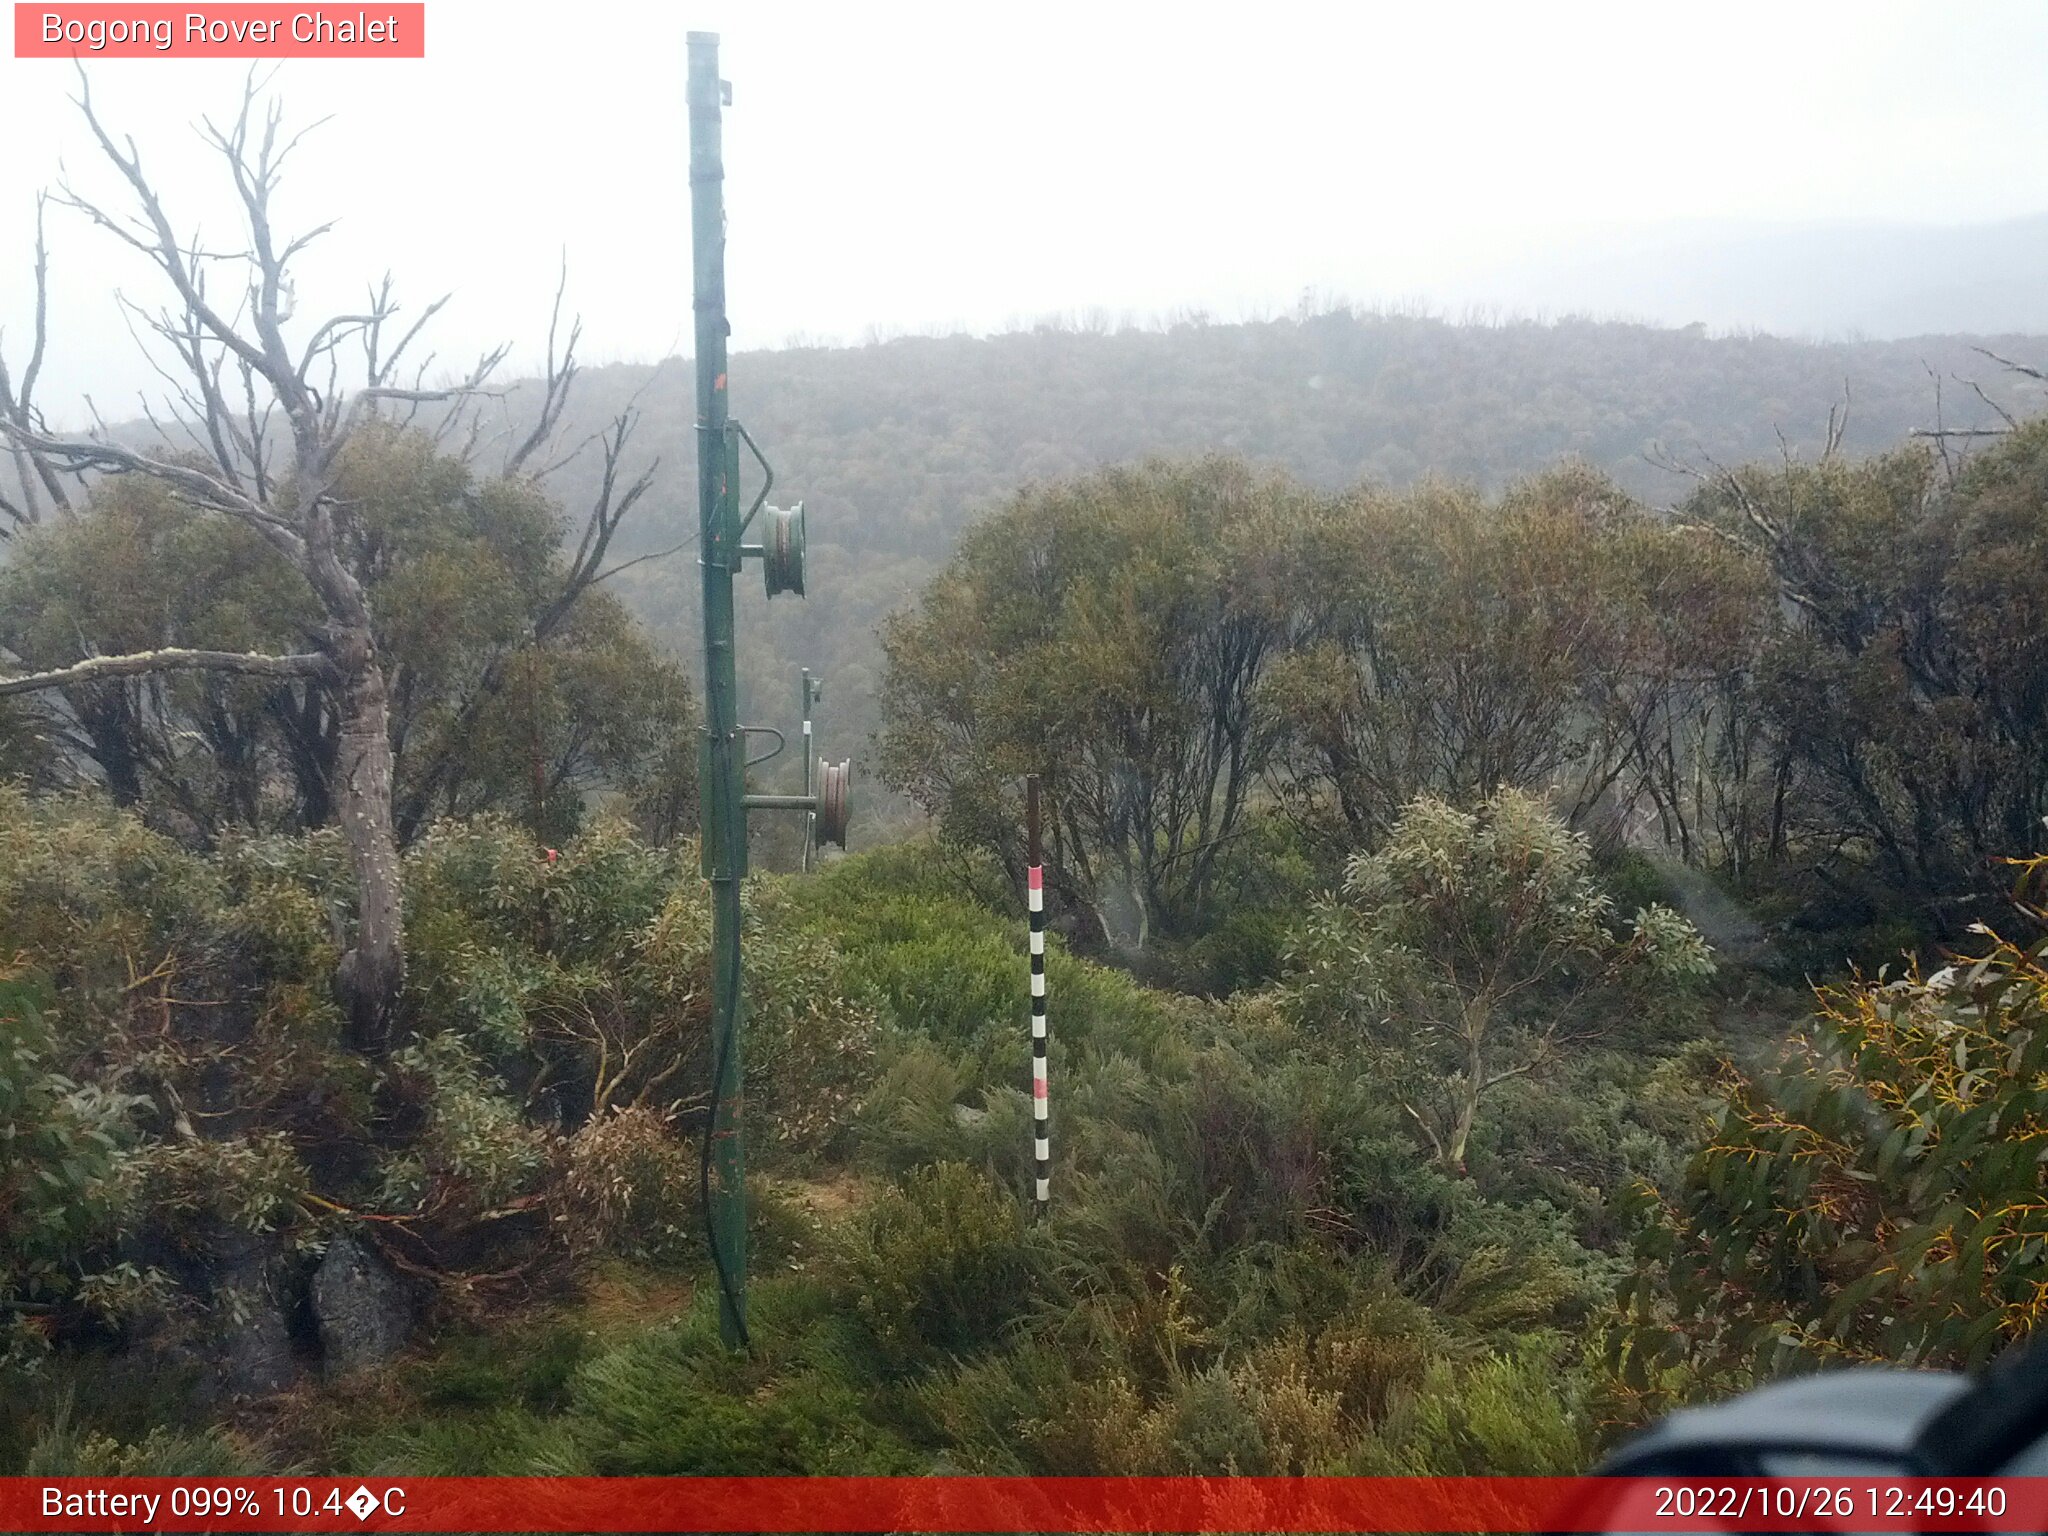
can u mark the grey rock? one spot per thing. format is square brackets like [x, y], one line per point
[363, 1311]
[251, 1354]
[255, 1357]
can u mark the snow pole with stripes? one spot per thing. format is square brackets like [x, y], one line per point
[1041, 1126]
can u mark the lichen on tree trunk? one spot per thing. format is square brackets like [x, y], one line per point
[371, 977]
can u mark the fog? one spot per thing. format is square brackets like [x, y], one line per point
[1825, 169]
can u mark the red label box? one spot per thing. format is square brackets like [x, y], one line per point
[235, 31]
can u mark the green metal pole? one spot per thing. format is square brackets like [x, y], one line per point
[808, 698]
[723, 756]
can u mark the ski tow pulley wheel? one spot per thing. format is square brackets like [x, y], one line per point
[782, 550]
[833, 779]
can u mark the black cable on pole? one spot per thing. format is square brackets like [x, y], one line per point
[725, 1283]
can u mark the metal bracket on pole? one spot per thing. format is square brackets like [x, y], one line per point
[774, 752]
[767, 476]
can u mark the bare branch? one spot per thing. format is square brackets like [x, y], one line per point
[35, 356]
[606, 514]
[18, 405]
[1838, 424]
[162, 245]
[380, 372]
[555, 383]
[332, 333]
[99, 668]
[2008, 363]
[1949, 462]
[208, 490]
[2003, 414]
[627, 565]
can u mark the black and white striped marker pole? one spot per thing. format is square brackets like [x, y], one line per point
[1041, 1128]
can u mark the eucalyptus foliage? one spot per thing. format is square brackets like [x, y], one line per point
[1878, 1198]
[1475, 947]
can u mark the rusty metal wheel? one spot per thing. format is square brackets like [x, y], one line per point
[833, 781]
[782, 550]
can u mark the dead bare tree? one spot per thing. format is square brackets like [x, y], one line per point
[37, 477]
[1943, 435]
[265, 420]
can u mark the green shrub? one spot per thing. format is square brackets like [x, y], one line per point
[630, 1186]
[1264, 878]
[1876, 1199]
[500, 1441]
[1004, 1413]
[812, 1037]
[252, 1183]
[97, 900]
[1633, 880]
[1252, 1146]
[530, 1367]
[474, 1145]
[909, 1119]
[939, 1266]
[676, 1401]
[63, 1451]
[1246, 1264]
[1516, 1414]
[59, 1156]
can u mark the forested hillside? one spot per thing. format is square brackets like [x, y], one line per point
[1432, 874]
[896, 446]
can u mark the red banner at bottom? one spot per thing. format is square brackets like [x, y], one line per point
[1042, 1504]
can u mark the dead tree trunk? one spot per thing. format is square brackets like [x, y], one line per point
[234, 471]
[229, 466]
[372, 973]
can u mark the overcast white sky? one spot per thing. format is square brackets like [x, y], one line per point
[907, 166]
